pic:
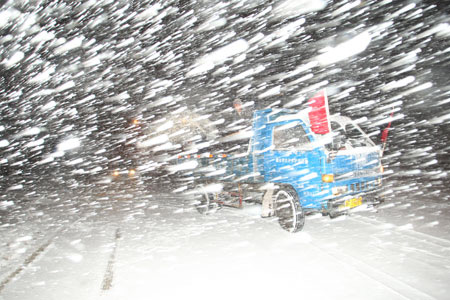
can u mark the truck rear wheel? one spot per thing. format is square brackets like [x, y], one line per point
[208, 202]
[288, 210]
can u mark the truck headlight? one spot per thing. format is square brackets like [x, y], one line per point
[327, 177]
[338, 190]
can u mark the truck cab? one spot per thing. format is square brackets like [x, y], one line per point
[330, 173]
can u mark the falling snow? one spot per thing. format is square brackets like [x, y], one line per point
[104, 104]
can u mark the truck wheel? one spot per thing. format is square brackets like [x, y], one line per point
[288, 210]
[334, 211]
[208, 202]
[333, 214]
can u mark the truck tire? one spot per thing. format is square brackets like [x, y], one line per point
[288, 210]
[333, 214]
[208, 202]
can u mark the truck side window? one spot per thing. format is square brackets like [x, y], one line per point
[291, 136]
[356, 138]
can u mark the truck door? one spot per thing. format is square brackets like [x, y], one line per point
[293, 160]
[356, 156]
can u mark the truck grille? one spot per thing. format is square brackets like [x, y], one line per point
[362, 186]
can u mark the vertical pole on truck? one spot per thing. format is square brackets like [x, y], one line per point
[327, 108]
[240, 195]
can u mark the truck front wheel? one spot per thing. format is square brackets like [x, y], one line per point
[288, 210]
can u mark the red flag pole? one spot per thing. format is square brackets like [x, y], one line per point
[385, 133]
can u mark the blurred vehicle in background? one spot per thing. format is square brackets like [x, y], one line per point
[124, 159]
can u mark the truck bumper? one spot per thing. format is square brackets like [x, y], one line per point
[347, 202]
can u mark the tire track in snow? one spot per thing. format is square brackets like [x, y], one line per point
[109, 273]
[416, 235]
[30, 259]
[25, 264]
[390, 282]
[397, 286]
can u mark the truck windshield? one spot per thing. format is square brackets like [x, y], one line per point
[290, 136]
[348, 136]
[356, 137]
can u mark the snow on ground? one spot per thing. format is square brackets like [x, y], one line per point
[138, 243]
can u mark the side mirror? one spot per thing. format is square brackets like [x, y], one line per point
[331, 155]
[333, 147]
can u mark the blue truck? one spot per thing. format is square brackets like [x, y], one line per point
[289, 169]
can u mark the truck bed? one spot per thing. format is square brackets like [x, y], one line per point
[222, 167]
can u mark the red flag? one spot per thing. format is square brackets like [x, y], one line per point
[384, 134]
[318, 116]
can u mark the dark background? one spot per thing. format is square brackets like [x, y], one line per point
[143, 60]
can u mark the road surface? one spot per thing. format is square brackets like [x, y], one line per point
[138, 243]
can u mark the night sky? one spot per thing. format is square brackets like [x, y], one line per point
[82, 71]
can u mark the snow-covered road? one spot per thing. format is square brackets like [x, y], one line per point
[150, 245]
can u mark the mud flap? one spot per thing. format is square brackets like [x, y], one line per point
[267, 205]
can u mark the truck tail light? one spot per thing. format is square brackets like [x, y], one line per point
[327, 177]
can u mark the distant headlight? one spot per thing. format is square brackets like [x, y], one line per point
[131, 172]
[338, 190]
[115, 173]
